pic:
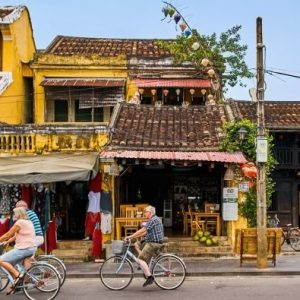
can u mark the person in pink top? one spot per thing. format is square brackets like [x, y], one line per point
[23, 234]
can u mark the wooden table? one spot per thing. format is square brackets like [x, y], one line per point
[211, 216]
[122, 221]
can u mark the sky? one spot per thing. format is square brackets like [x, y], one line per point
[142, 19]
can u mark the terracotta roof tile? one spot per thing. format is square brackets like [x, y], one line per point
[8, 14]
[65, 45]
[278, 114]
[196, 128]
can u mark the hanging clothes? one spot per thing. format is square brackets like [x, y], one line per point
[94, 202]
[91, 220]
[97, 241]
[26, 193]
[106, 201]
[106, 222]
[96, 183]
[4, 225]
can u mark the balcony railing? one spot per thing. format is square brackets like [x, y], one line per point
[29, 139]
[288, 158]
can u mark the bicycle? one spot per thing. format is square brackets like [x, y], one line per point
[55, 262]
[116, 273]
[291, 235]
[40, 282]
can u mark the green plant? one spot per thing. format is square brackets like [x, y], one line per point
[226, 54]
[231, 143]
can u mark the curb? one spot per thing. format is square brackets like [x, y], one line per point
[204, 274]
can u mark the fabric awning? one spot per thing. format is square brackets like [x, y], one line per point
[48, 168]
[225, 157]
[181, 83]
[84, 82]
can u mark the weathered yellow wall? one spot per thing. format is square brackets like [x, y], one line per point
[18, 47]
[48, 65]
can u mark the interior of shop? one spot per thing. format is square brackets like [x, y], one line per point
[172, 189]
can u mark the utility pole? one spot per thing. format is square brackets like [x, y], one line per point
[261, 153]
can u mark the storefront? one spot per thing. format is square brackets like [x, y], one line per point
[55, 186]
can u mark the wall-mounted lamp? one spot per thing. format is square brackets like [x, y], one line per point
[242, 133]
[229, 174]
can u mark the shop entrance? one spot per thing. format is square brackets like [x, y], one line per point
[171, 190]
[69, 209]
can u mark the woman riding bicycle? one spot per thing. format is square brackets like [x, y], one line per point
[153, 233]
[22, 233]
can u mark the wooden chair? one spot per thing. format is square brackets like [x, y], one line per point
[131, 226]
[211, 225]
[197, 224]
[123, 209]
[141, 206]
[187, 221]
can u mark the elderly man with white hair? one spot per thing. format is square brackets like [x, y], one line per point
[153, 233]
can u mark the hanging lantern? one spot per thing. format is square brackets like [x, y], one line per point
[177, 93]
[166, 92]
[165, 11]
[171, 12]
[195, 46]
[215, 85]
[203, 91]
[182, 26]
[192, 91]
[177, 18]
[211, 72]
[141, 91]
[153, 92]
[205, 62]
[187, 33]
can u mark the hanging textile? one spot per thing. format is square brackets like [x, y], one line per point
[96, 183]
[106, 201]
[90, 222]
[4, 225]
[97, 241]
[94, 202]
[26, 192]
[105, 222]
[50, 241]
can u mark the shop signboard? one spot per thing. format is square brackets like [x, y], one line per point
[261, 149]
[230, 204]
[244, 186]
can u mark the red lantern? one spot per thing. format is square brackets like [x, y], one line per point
[249, 170]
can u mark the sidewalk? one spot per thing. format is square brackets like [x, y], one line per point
[288, 263]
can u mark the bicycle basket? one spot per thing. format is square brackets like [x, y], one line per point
[118, 247]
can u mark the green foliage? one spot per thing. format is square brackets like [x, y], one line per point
[231, 143]
[226, 53]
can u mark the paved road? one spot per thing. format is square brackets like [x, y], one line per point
[213, 288]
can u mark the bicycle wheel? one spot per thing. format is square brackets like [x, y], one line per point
[115, 273]
[169, 272]
[295, 239]
[41, 282]
[3, 280]
[56, 263]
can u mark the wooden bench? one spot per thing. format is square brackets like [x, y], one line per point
[246, 244]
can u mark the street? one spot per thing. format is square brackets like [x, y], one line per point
[213, 288]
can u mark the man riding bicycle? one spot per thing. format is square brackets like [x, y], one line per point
[153, 233]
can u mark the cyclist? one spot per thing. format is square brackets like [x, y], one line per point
[22, 233]
[32, 216]
[153, 233]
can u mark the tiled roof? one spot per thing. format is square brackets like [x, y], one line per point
[186, 83]
[97, 82]
[167, 128]
[8, 14]
[65, 45]
[278, 114]
[176, 155]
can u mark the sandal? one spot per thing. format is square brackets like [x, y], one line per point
[11, 291]
[18, 279]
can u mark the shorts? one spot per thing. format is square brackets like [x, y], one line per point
[16, 256]
[149, 250]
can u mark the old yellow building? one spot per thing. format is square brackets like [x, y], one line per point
[17, 49]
